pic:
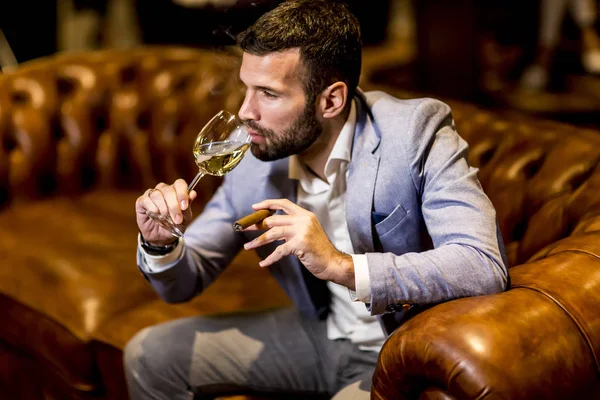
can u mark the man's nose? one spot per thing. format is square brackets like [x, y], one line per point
[248, 109]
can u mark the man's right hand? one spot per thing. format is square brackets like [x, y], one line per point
[173, 200]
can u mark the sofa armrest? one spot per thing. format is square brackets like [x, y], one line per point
[536, 341]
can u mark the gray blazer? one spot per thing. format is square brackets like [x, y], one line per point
[414, 207]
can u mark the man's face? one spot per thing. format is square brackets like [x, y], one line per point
[274, 109]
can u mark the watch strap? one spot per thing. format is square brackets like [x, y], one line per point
[157, 250]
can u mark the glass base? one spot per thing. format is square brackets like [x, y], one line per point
[166, 222]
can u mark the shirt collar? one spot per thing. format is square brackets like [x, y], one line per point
[342, 150]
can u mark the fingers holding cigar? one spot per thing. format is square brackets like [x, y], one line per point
[255, 218]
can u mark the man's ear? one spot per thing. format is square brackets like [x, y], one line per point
[333, 100]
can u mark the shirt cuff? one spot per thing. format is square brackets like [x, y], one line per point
[156, 264]
[362, 280]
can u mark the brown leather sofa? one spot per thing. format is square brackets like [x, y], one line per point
[81, 136]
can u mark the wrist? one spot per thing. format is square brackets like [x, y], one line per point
[344, 267]
[158, 248]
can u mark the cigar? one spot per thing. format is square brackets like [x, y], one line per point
[251, 219]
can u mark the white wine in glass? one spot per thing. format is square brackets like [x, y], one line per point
[219, 147]
[218, 158]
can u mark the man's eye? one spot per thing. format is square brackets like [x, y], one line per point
[269, 94]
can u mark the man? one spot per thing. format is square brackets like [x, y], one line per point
[377, 207]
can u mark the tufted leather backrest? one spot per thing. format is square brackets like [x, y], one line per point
[127, 119]
[109, 119]
[542, 177]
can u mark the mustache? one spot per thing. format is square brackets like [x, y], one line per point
[255, 127]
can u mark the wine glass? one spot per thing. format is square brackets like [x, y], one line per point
[219, 147]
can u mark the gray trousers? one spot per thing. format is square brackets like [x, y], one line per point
[276, 353]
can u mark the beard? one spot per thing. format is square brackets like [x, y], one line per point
[303, 132]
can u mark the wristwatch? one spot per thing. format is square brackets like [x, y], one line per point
[157, 250]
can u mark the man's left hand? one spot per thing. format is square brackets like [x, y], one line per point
[304, 237]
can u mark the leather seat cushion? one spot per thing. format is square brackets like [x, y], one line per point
[75, 280]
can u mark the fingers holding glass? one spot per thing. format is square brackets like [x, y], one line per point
[144, 204]
[158, 203]
[183, 197]
[172, 203]
[164, 206]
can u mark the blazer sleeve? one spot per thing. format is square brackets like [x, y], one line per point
[467, 258]
[210, 245]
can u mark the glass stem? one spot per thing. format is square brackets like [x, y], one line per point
[197, 178]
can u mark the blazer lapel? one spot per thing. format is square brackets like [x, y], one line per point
[361, 179]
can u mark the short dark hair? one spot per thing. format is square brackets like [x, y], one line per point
[327, 34]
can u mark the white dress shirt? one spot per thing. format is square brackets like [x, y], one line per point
[348, 319]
